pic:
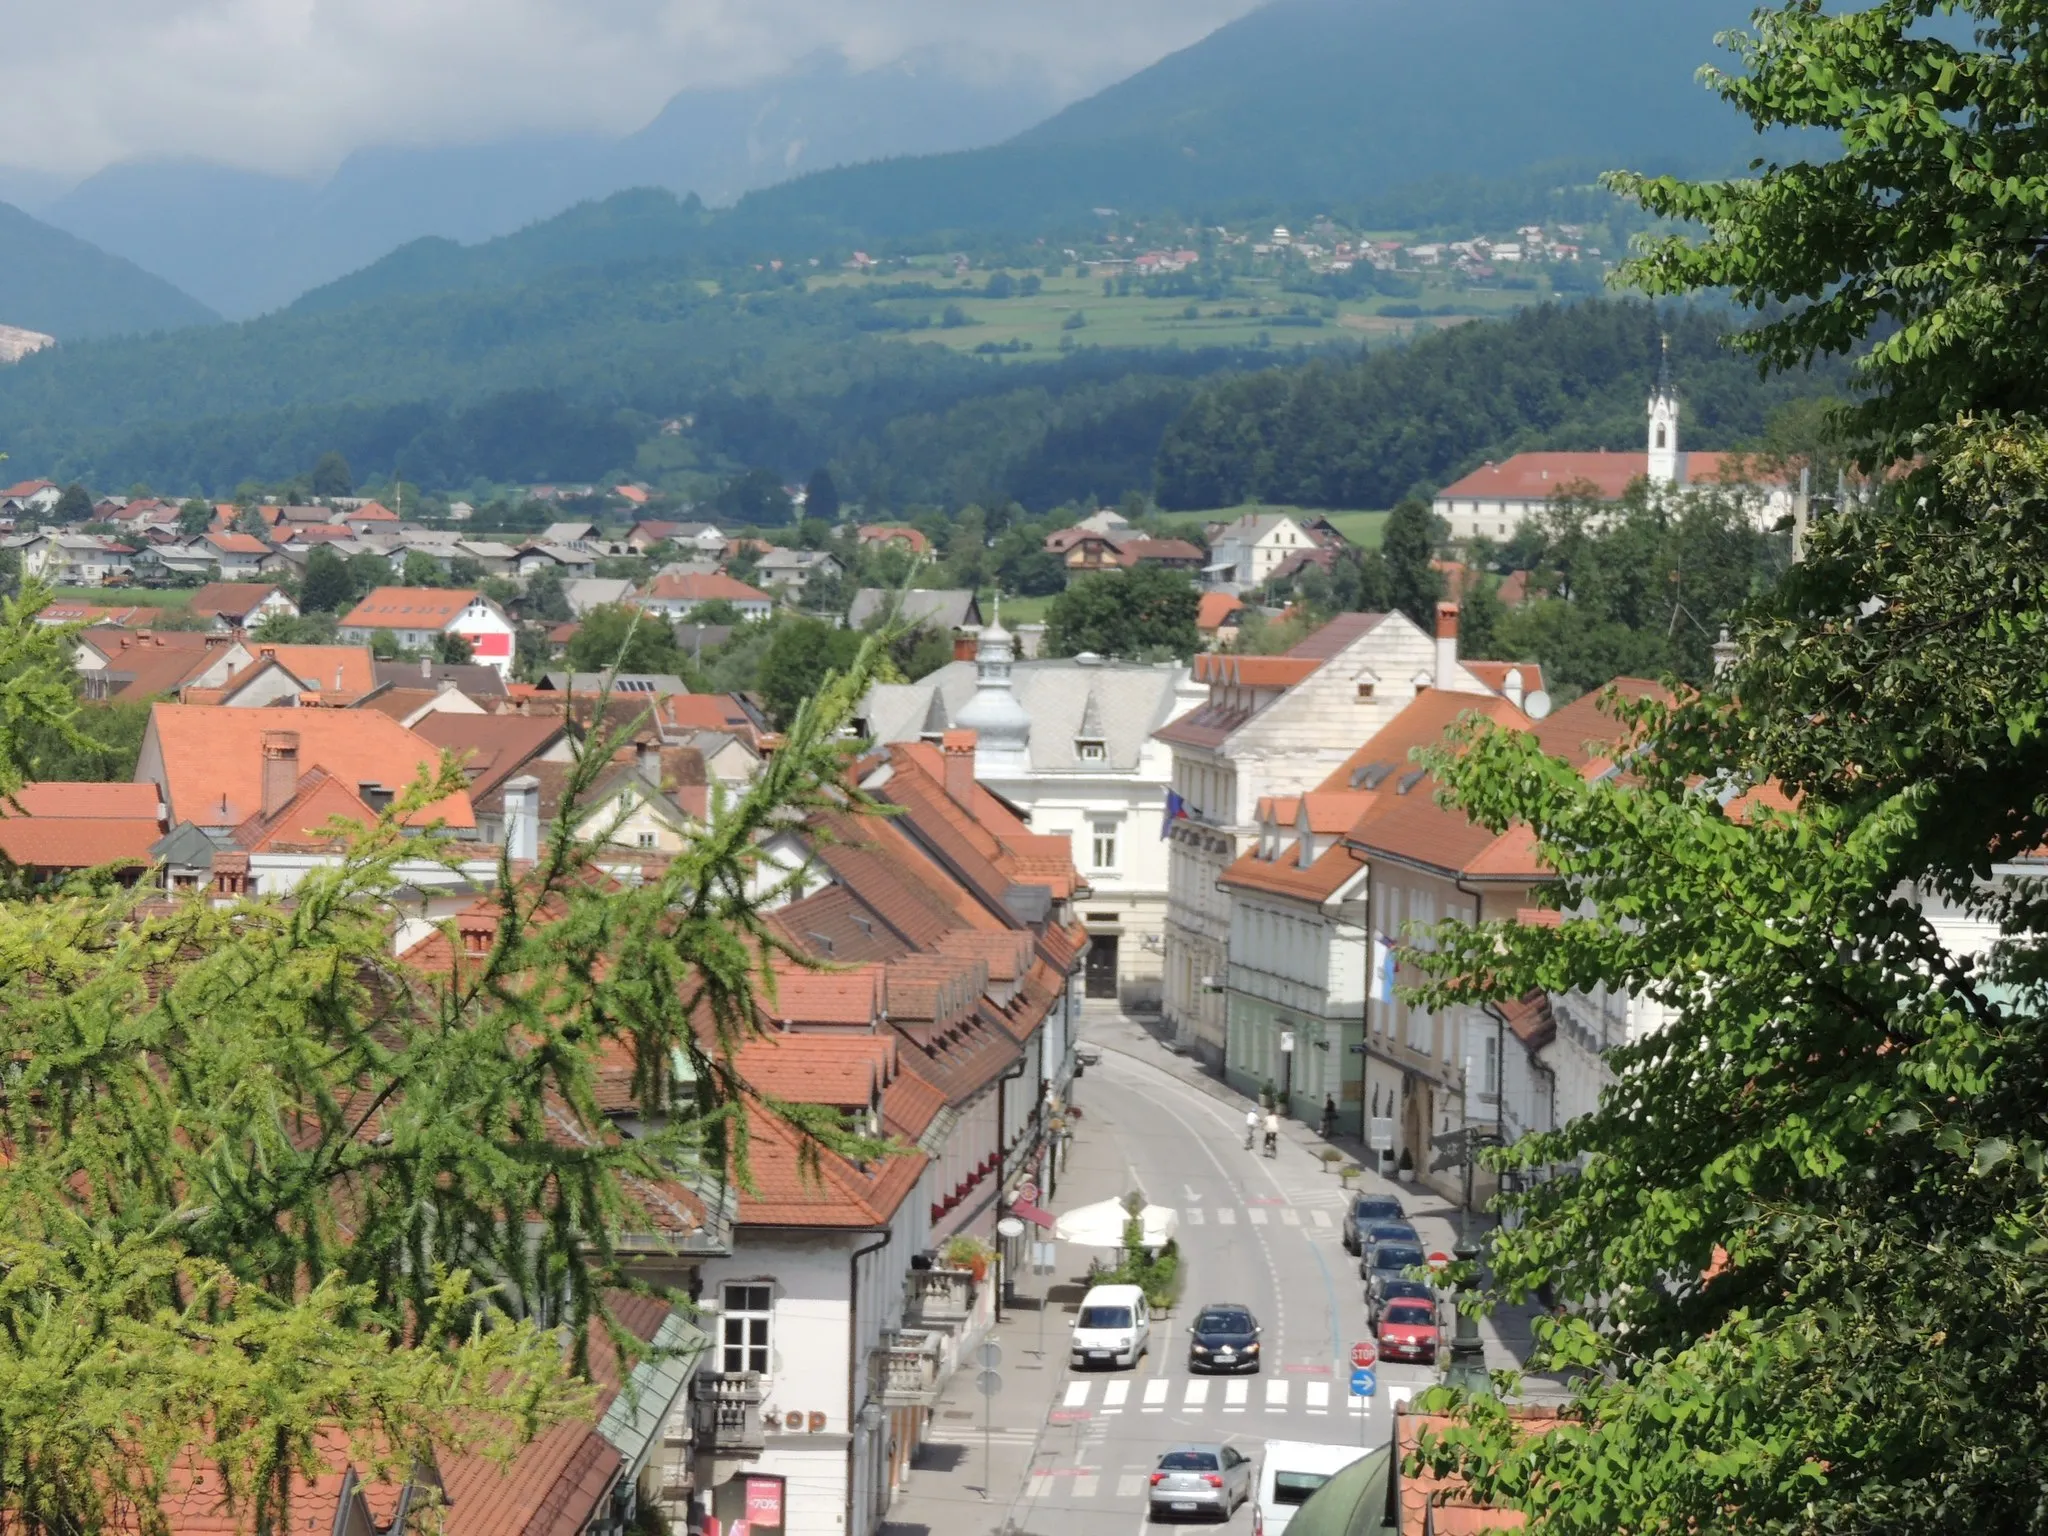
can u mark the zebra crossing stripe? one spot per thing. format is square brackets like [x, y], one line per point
[1234, 1395]
[1258, 1215]
[1276, 1396]
[1084, 1486]
[1077, 1395]
[1197, 1395]
[1113, 1396]
[1041, 1485]
[1130, 1485]
[1194, 1216]
[1320, 1218]
[1290, 1217]
[1319, 1397]
[1155, 1394]
[1226, 1217]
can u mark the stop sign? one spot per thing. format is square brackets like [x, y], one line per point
[1363, 1354]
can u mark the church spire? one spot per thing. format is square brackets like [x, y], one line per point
[1663, 465]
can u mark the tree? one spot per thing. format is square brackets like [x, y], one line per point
[1798, 1245]
[326, 587]
[1135, 614]
[1408, 545]
[801, 654]
[367, 572]
[195, 517]
[74, 505]
[453, 650]
[331, 476]
[821, 496]
[421, 570]
[384, 645]
[544, 599]
[630, 639]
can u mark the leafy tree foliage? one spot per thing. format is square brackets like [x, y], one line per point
[453, 650]
[1408, 545]
[1371, 431]
[543, 598]
[821, 496]
[1136, 614]
[331, 476]
[74, 505]
[628, 639]
[326, 586]
[422, 570]
[799, 655]
[195, 517]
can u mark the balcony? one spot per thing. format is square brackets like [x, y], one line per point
[728, 1413]
[939, 1298]
[908, 1364]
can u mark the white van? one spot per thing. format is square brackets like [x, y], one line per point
[1290, 1471]
[1114, 1326]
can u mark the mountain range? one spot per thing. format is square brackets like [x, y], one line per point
[58, 284]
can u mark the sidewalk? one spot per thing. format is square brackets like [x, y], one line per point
[1506, 1332]
[956, 1486]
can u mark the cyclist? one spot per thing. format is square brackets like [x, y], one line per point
[1251, 1127]
[1272, 1132]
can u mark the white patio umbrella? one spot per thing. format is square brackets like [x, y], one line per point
[1101, 1225]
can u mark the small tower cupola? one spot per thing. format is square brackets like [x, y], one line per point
[1663, 466]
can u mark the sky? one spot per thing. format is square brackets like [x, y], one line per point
[291, 86]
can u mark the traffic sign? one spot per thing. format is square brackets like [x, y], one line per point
[1439, 1260]
[1363, 1353]
[990, 1355]
[988, 1383]
[1010, 1226]
[1363, 1382]
[1027, 1193]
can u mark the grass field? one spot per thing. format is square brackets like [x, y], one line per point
[1016, 610]
[1035, 326]
[125, 597]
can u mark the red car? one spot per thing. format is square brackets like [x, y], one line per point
[1407, 1331]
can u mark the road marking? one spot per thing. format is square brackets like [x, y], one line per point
[1113, 1396]
[1358, 1404]
[1319, 1397]
[1320, 1218]
[1130, 1485]
[1191, 1192]
[1276, 1396]
[1226, 1217]
[1258, 1215]
[1198, 1394]
[1399, 1395]
[1194, 1216]
[1041, 1485]
[1234, 1394]
[1155, 1394]
[1290, 1217]
[1077, 1394]
[1084, 1487]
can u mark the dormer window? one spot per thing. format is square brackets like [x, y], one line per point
[1091, 749]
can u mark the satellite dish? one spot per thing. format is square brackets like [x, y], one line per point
[1537, 705]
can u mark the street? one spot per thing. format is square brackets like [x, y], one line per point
[1073, 1450]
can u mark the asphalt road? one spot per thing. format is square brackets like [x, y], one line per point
[1255, 1230]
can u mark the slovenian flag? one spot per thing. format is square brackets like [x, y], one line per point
[1382, 969]
[1176, 810]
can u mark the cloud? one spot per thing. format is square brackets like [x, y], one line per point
[291, 86]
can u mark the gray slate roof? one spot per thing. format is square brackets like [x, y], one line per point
[1119, 703]
[936, 607]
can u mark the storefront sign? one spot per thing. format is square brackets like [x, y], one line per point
[764, 1502]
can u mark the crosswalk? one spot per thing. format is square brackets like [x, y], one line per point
[1119, 1396]
[1258, 1216]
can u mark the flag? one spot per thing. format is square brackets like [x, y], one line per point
[1176, 809]
[1382, 970]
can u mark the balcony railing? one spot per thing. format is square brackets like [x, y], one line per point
[939, 1297]
[728, 1412]
[909, 1363]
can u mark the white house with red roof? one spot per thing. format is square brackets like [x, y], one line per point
[418, 616]
[1496, 499]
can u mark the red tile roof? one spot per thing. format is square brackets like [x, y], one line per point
[689, 588]
[68, 842]
[157, 661]
[1494, 674]
[212, 758]
[370, 512]
[82, 801]
[409, 608]
[1215, 607]
[491, 748]
[301, 822]
[847, 1071]
[343, 669]
[238, 543]
[838, 998]
[785, 1193]
[233, 598]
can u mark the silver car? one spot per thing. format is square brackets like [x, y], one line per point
[1200, 1480]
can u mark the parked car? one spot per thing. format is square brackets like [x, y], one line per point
[1408, 1331]
[1390, 1262]
[1398, 1290]
[1367, 1210]
[1114, 1327]
[1224, 1337]
[1375, 1233]
[1200, 1480]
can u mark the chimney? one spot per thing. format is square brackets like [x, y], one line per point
[1446, 643]
[522, 818]
[963, 645]
[426, 669]
[280, 769]
[647, 758]
[956, 749]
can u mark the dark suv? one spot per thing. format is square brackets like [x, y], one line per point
[1365, 1210]
[1373, 1234]
[1224, 1337]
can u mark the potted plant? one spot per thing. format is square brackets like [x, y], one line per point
[1405, 1172]
[1346, 1175]
[971, 1254]
[1268, 1094]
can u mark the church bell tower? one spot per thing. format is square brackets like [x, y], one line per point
[1663, 468]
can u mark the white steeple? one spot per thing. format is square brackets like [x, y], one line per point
[1663, 468]
[1001, 726]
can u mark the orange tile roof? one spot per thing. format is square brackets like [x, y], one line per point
[832, 998]
[300, 822]
[1494, 674]
[1334, 810]
[54, 797]
[1337, 636]
[370, 512]
[78, 842]
[1422, 722]
[212, 758]
[1443, 1506]
[1284, 876]
[409, 608]
[704, 588]
[234, 598]
[491, 748]
[1581, 728]
[707, 712]
[909, 1105]
[1215, 607]
[848, 1071]
[1233, 670]
[346, 669]
[238, 543]
[785, 1193]
[157, 661]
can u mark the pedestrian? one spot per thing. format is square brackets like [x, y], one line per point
[1251, 1127]
[1329, 1116]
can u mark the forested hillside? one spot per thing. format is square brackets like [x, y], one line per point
[1365, 432]
[59, 284]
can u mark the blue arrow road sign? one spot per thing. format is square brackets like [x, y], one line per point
[1363, 1383]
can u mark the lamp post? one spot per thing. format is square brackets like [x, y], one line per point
[1287, 1072]
[1467, 1371]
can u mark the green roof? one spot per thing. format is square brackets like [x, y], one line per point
[1352, 1503]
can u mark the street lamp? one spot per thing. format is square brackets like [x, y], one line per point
[1287, 1071]
[1467, 1370]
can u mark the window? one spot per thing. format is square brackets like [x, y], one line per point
[1090, 751]
[1489, 1069]
[1364, 692]
[745, 1329]
[1104, 845]
[643, 840]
